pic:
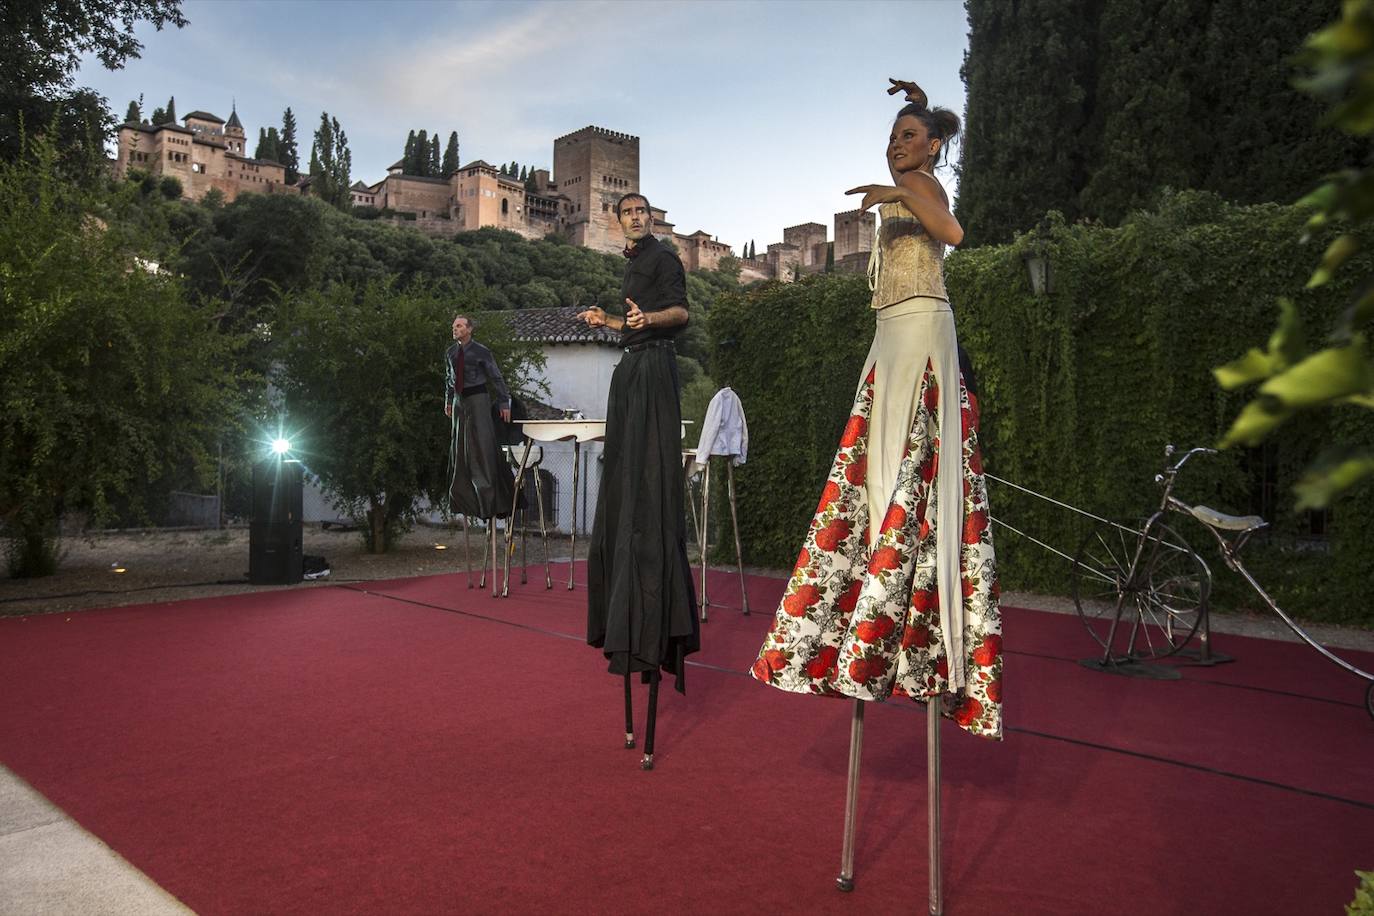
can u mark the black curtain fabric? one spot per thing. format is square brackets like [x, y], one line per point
[641, 608]
[482, 483]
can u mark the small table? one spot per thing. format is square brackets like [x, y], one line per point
[578, 431]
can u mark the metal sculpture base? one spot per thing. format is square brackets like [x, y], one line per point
[1131, 668]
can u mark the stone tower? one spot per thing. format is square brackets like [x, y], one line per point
[593, 168]
[233, 133]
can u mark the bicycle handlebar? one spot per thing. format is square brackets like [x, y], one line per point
[1169, 451]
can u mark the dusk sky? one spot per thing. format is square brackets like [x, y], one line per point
[751, 116]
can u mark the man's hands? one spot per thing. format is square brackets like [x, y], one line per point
[505, 414]
[595, 317]
[634, 318]
[448, 410]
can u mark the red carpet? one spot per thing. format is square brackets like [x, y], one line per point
[330, 750]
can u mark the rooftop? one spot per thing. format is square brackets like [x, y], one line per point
[558, 325]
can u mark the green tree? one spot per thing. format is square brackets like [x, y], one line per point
[1090, 107]
[159, 117]
[1294, 378]
[378, 438]
[260, 152]
[290, 157]
[451, 163]
[331, 163]
[133, 115]
[109, 376]
[171, 113]
[43, 47]
[408, 157]
[434, 169]
[419, 164]
[273, 148]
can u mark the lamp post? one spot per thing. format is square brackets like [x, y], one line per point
[1037, 258]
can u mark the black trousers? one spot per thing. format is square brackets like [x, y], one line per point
[641, 608]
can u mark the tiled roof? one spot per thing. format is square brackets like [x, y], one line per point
[558, 325]
[204, 116]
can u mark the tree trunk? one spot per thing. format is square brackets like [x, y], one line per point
[377, 516]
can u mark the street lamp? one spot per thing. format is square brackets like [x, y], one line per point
[1037, 260]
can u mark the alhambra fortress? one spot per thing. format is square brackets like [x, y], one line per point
[592, 168]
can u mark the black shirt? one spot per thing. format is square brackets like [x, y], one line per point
[478, 368]
[655, 280]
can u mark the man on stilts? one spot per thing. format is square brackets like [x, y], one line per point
[481, 484]
[641, 610]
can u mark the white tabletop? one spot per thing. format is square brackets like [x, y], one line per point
[565, 430]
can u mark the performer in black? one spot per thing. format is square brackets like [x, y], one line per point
[481, 483]
[641, 610]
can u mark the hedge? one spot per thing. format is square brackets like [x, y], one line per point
[1081, 389]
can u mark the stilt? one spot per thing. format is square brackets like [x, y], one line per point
[482, 582]
[845, 881]
[648, 762]
[937, 902]
[510, 521]
[467, 550]
[572, 543]
[543, 525]
[705, 531]
[524, 545]
[495, 563]
[629, 714]
[734, 521]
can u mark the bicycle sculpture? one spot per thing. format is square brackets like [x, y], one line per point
[1145, 590]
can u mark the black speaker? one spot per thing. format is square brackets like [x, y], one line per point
[274, 533]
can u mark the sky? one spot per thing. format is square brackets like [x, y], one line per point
[752, 116]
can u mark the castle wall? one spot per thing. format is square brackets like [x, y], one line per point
[854, 233]
[594, 167]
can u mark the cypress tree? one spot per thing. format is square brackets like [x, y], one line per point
[171, 113]
[132, 116]
[261, 151]
[287, 147]
[524, 174]
[435, 168]
[420, 155]
[408, 157]
[273, 145]
[451, 163]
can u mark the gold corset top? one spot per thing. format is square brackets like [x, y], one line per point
[906, 260]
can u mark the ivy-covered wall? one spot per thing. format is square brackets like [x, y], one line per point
[1081, 389]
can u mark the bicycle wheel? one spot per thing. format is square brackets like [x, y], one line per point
[1161, 606]
[1174, 588]
[1099, 577]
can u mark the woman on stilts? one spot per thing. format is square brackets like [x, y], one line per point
[895, 590]
[641, 611]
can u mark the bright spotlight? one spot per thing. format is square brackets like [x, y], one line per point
[281, 446]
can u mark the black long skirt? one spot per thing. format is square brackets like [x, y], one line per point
[482, 483]
[641, 608]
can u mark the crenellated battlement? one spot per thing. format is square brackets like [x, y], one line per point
[593, 130]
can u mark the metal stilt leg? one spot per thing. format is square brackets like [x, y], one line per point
[734, 521]
[937, 902]
[486, 536]
[845, 881]
[572, 543]
[705, 531]
[543, 527]
[648, 762]
[467, 550]
[524, 545]
[510, 521]
[495, 562]
[629, 714]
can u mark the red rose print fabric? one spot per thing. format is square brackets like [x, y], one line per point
[863, 620]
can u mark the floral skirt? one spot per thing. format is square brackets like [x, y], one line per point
[907, 605]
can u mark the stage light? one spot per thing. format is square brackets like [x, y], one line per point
[116, 568]
[281, 446]
[441, 547]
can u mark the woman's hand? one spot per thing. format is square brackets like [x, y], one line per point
[876, 194]
[913, 92]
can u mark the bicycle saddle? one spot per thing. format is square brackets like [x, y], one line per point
[1210, 516]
